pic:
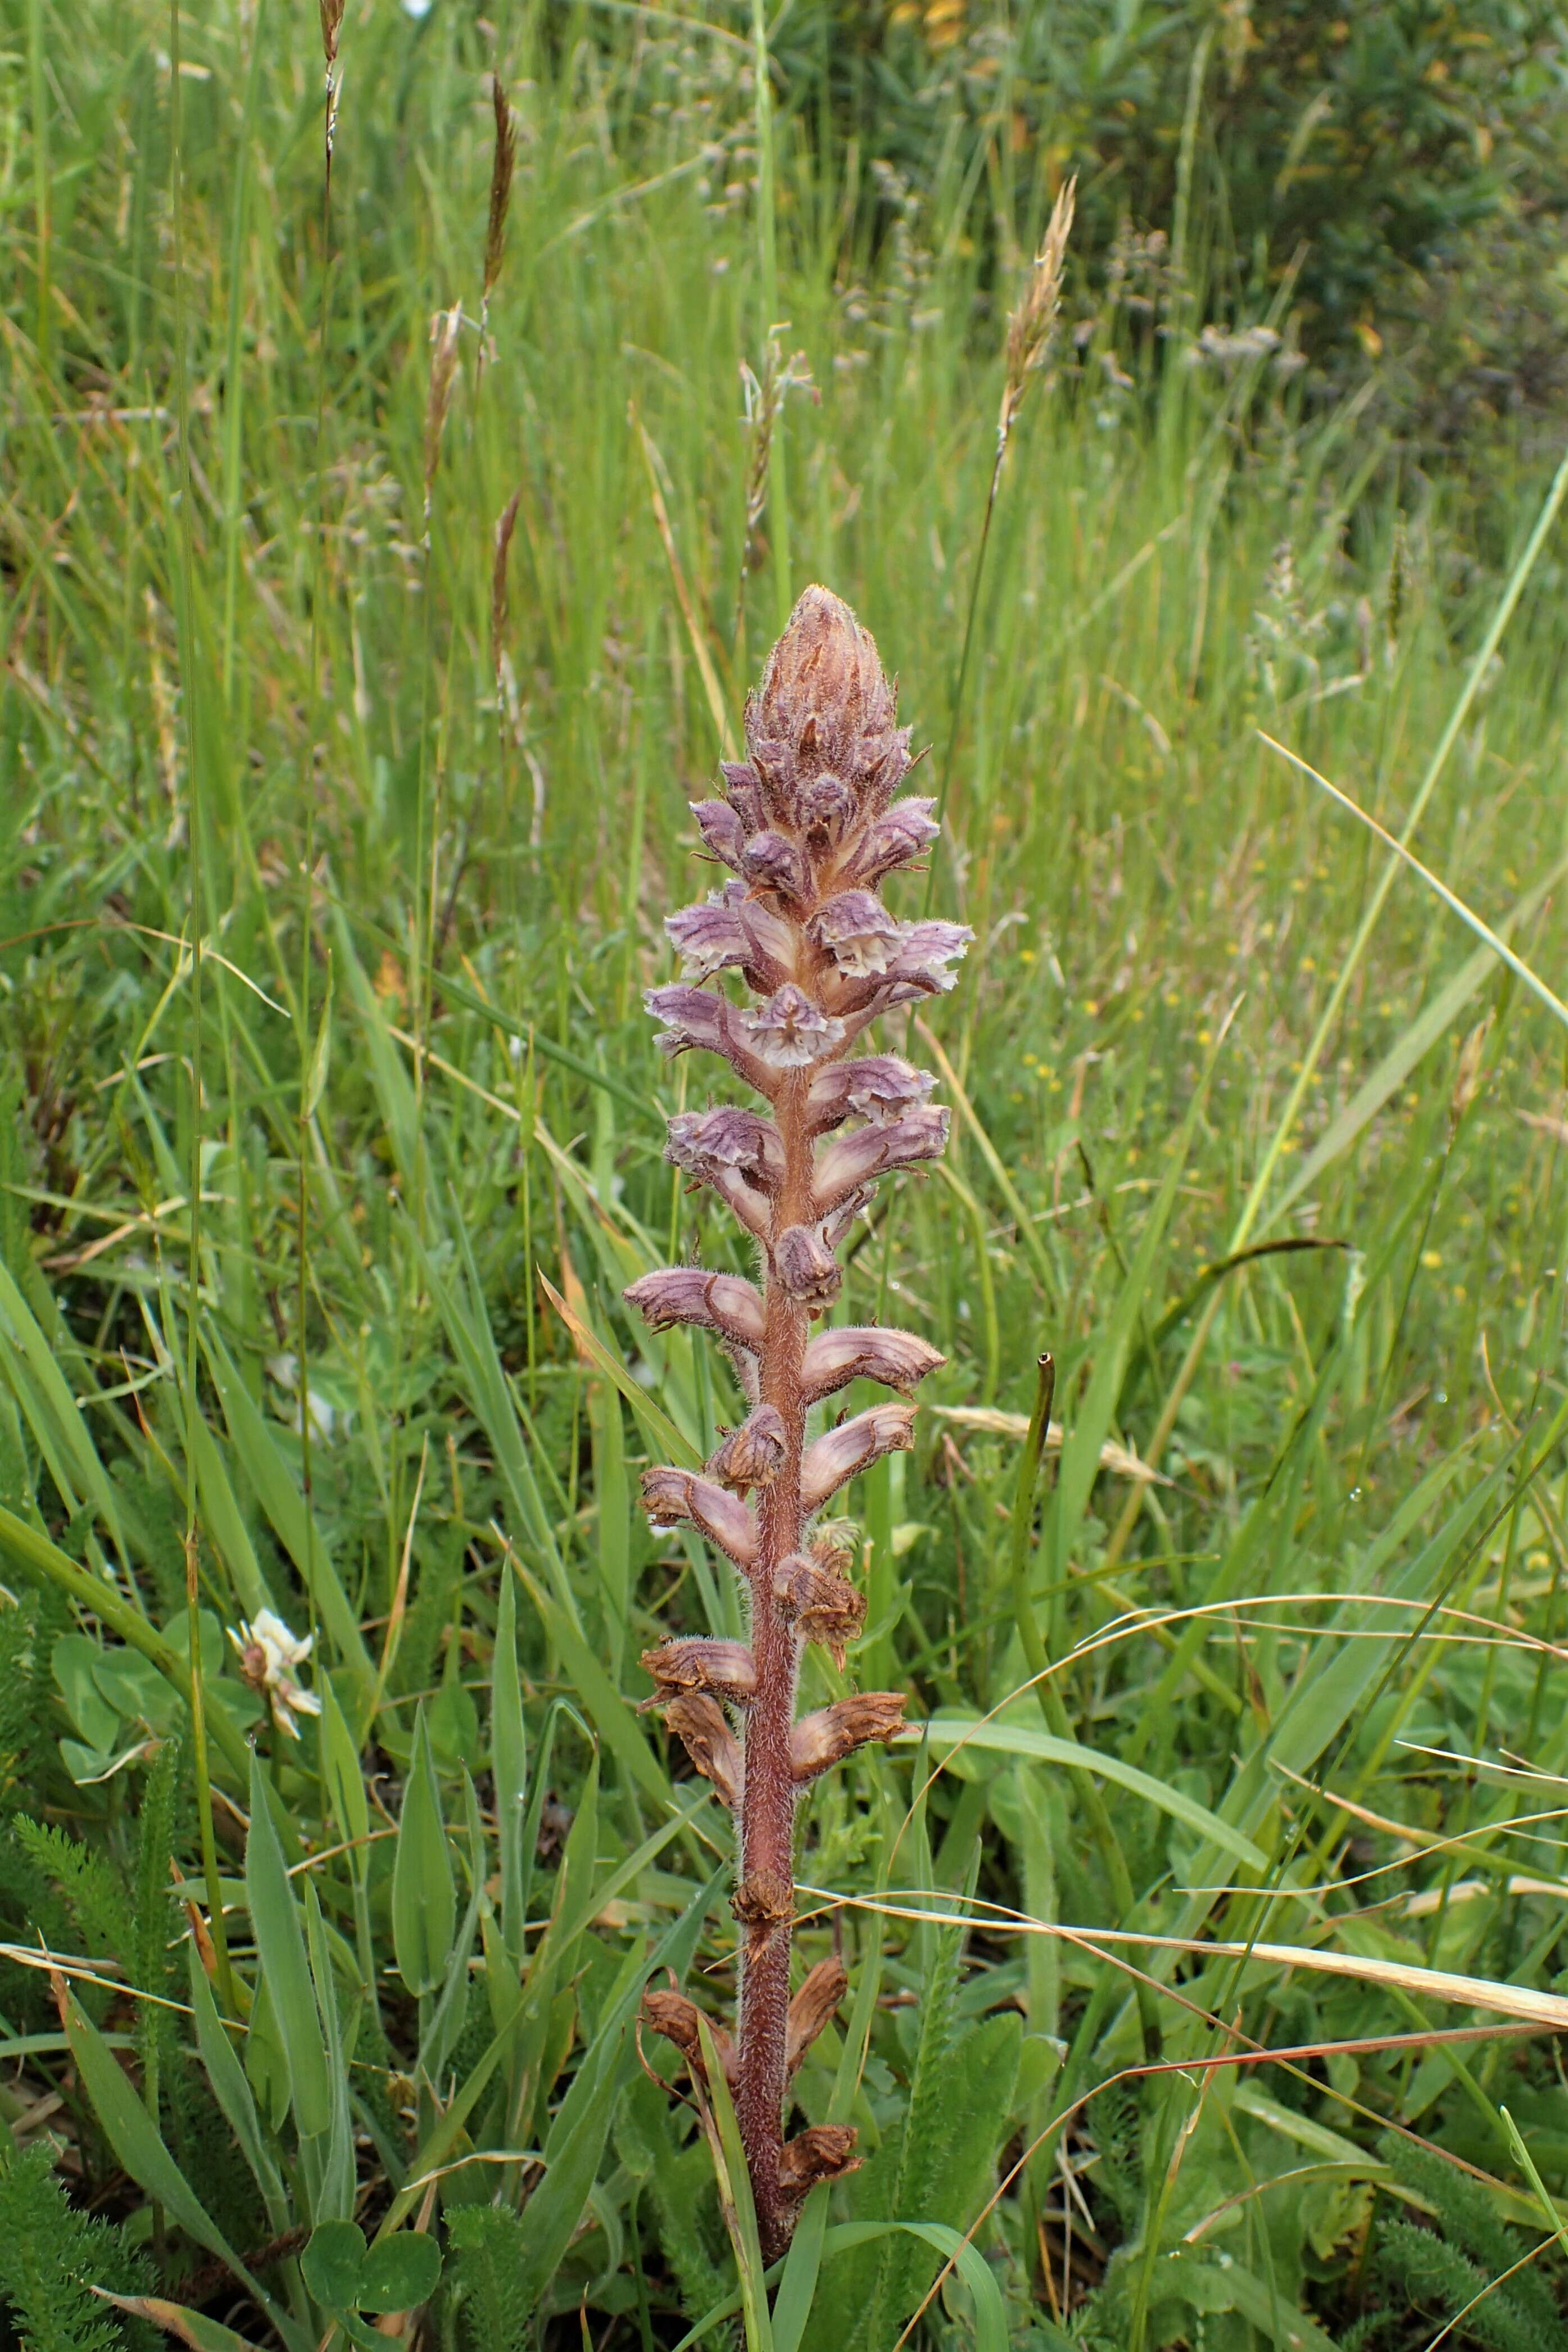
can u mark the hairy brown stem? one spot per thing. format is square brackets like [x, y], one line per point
[765, 1896]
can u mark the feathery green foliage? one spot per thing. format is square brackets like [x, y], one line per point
[51, 2257]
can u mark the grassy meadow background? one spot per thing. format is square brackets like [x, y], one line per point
[334, 859]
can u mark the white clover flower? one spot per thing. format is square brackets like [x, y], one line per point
[268, 1653]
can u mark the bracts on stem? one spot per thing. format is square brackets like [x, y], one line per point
[809, 826]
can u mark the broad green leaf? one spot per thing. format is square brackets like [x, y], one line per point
[333, 2264]
[423, 1899]
[400, 2272]
[31, 1551]
[990, 2311]
[280, 1950]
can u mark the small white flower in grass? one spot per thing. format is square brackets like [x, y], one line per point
[268, 1653]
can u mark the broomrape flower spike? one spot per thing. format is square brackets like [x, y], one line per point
[269, 1654]
[809, 823]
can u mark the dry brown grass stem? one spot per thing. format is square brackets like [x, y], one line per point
[1030, 327]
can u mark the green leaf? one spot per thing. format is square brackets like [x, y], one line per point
[225, 2076]
[342, 1772]
[262, 1461]
[136, 2141]
[951, 1729]
[423, 1899]
[613, 1719]
[192, 2327]
[990, 2311]
[222, 1521]
[735, 2200]
[280, 1950]
[509, 1768]
[322, 1053]
[334, 2262]
[400, 2272]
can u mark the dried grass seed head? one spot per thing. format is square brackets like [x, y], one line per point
[1031, 326]
[504, 162]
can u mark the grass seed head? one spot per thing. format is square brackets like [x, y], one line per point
[1031, 327]
[503, 165]
[443, 331]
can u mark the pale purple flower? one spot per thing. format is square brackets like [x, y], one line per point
[754, 1455]
[865, 1352]
[827, 807]
[722, 829]
[924, 953]
[789, 1032]
[895, 840]
[856, 1160]
[858, 932]
[690, 1294]
[672, 1496]
[878, 1088]
[709, 936]
[806, 1267]
[741, 1139]
[776, 863]
[831, 1461]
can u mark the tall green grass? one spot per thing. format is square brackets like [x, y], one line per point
[322, 955]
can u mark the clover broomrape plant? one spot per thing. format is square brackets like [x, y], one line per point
[810, 827]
